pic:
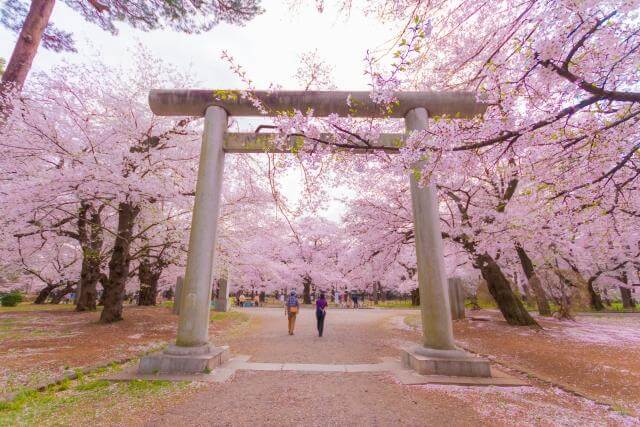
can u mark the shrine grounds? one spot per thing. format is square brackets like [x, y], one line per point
[585, 372]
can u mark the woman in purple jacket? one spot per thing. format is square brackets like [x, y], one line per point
[321, 312]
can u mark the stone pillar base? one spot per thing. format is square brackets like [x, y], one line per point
[453, 363]
[175, 359]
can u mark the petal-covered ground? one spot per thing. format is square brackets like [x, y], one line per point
[556, 358]
[597, 356]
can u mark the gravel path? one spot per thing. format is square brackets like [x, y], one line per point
[350, 336]
[371, 399]
[287, 398]
[314, 399]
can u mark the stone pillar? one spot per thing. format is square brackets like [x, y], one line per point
[438, 354]
[192, 352]
[222, 302]
[456, 298]
[437, 330]
[193, 325]
[177, 295]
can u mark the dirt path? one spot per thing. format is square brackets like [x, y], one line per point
[351, 336]
[357, 336]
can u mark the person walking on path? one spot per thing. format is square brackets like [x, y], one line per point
[321, 313]
[291, 310]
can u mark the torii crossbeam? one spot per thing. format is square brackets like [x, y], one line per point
[192, 351]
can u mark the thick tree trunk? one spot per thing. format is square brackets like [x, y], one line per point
[306, 291]
[91, 243]
[627, 299]
[534, 282]
[415, 297]
[625, 294]
[148, 283]
[119, 264]
[27, 44]
[594, 297]
[511, 307]
[564, 302]
[45, 292]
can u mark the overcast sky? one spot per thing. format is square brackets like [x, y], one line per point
[268, 48]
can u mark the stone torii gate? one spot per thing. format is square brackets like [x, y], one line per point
[192, 351]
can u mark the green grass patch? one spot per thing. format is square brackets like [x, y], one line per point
[92, 385]
[396, 304]
[28, 306]
[76, 402]
[217, 316]
[616, 307]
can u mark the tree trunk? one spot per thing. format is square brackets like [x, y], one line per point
[103, 280]
[564, 302]
[114, 290]
[148, 283]
[511, 307]
[625, 293]
[376, 292]
[57, 296]
[415, 297]
[534, 282]
[594, 297]
[91, 243]
[306, 292]
[45, 292]
[27, 44]
[473, 299]
[627, 299]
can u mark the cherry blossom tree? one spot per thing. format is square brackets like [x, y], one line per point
[88, 161]
[559, 80]
[31, 21]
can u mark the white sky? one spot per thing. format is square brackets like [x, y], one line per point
[268, 48]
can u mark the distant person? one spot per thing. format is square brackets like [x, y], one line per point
[321, 312]
[336, 297]
[291, 310]
[354, 298]
[256, 300]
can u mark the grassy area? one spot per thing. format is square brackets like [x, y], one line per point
[82, 401]
[29, 306]
[395, 304]
[166, 304]
[217, 316]
[11, 328]
[615, 307]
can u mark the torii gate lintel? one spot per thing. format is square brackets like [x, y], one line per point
[192, 351]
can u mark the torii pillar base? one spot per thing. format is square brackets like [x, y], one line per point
[184, 360]
[451, 363]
